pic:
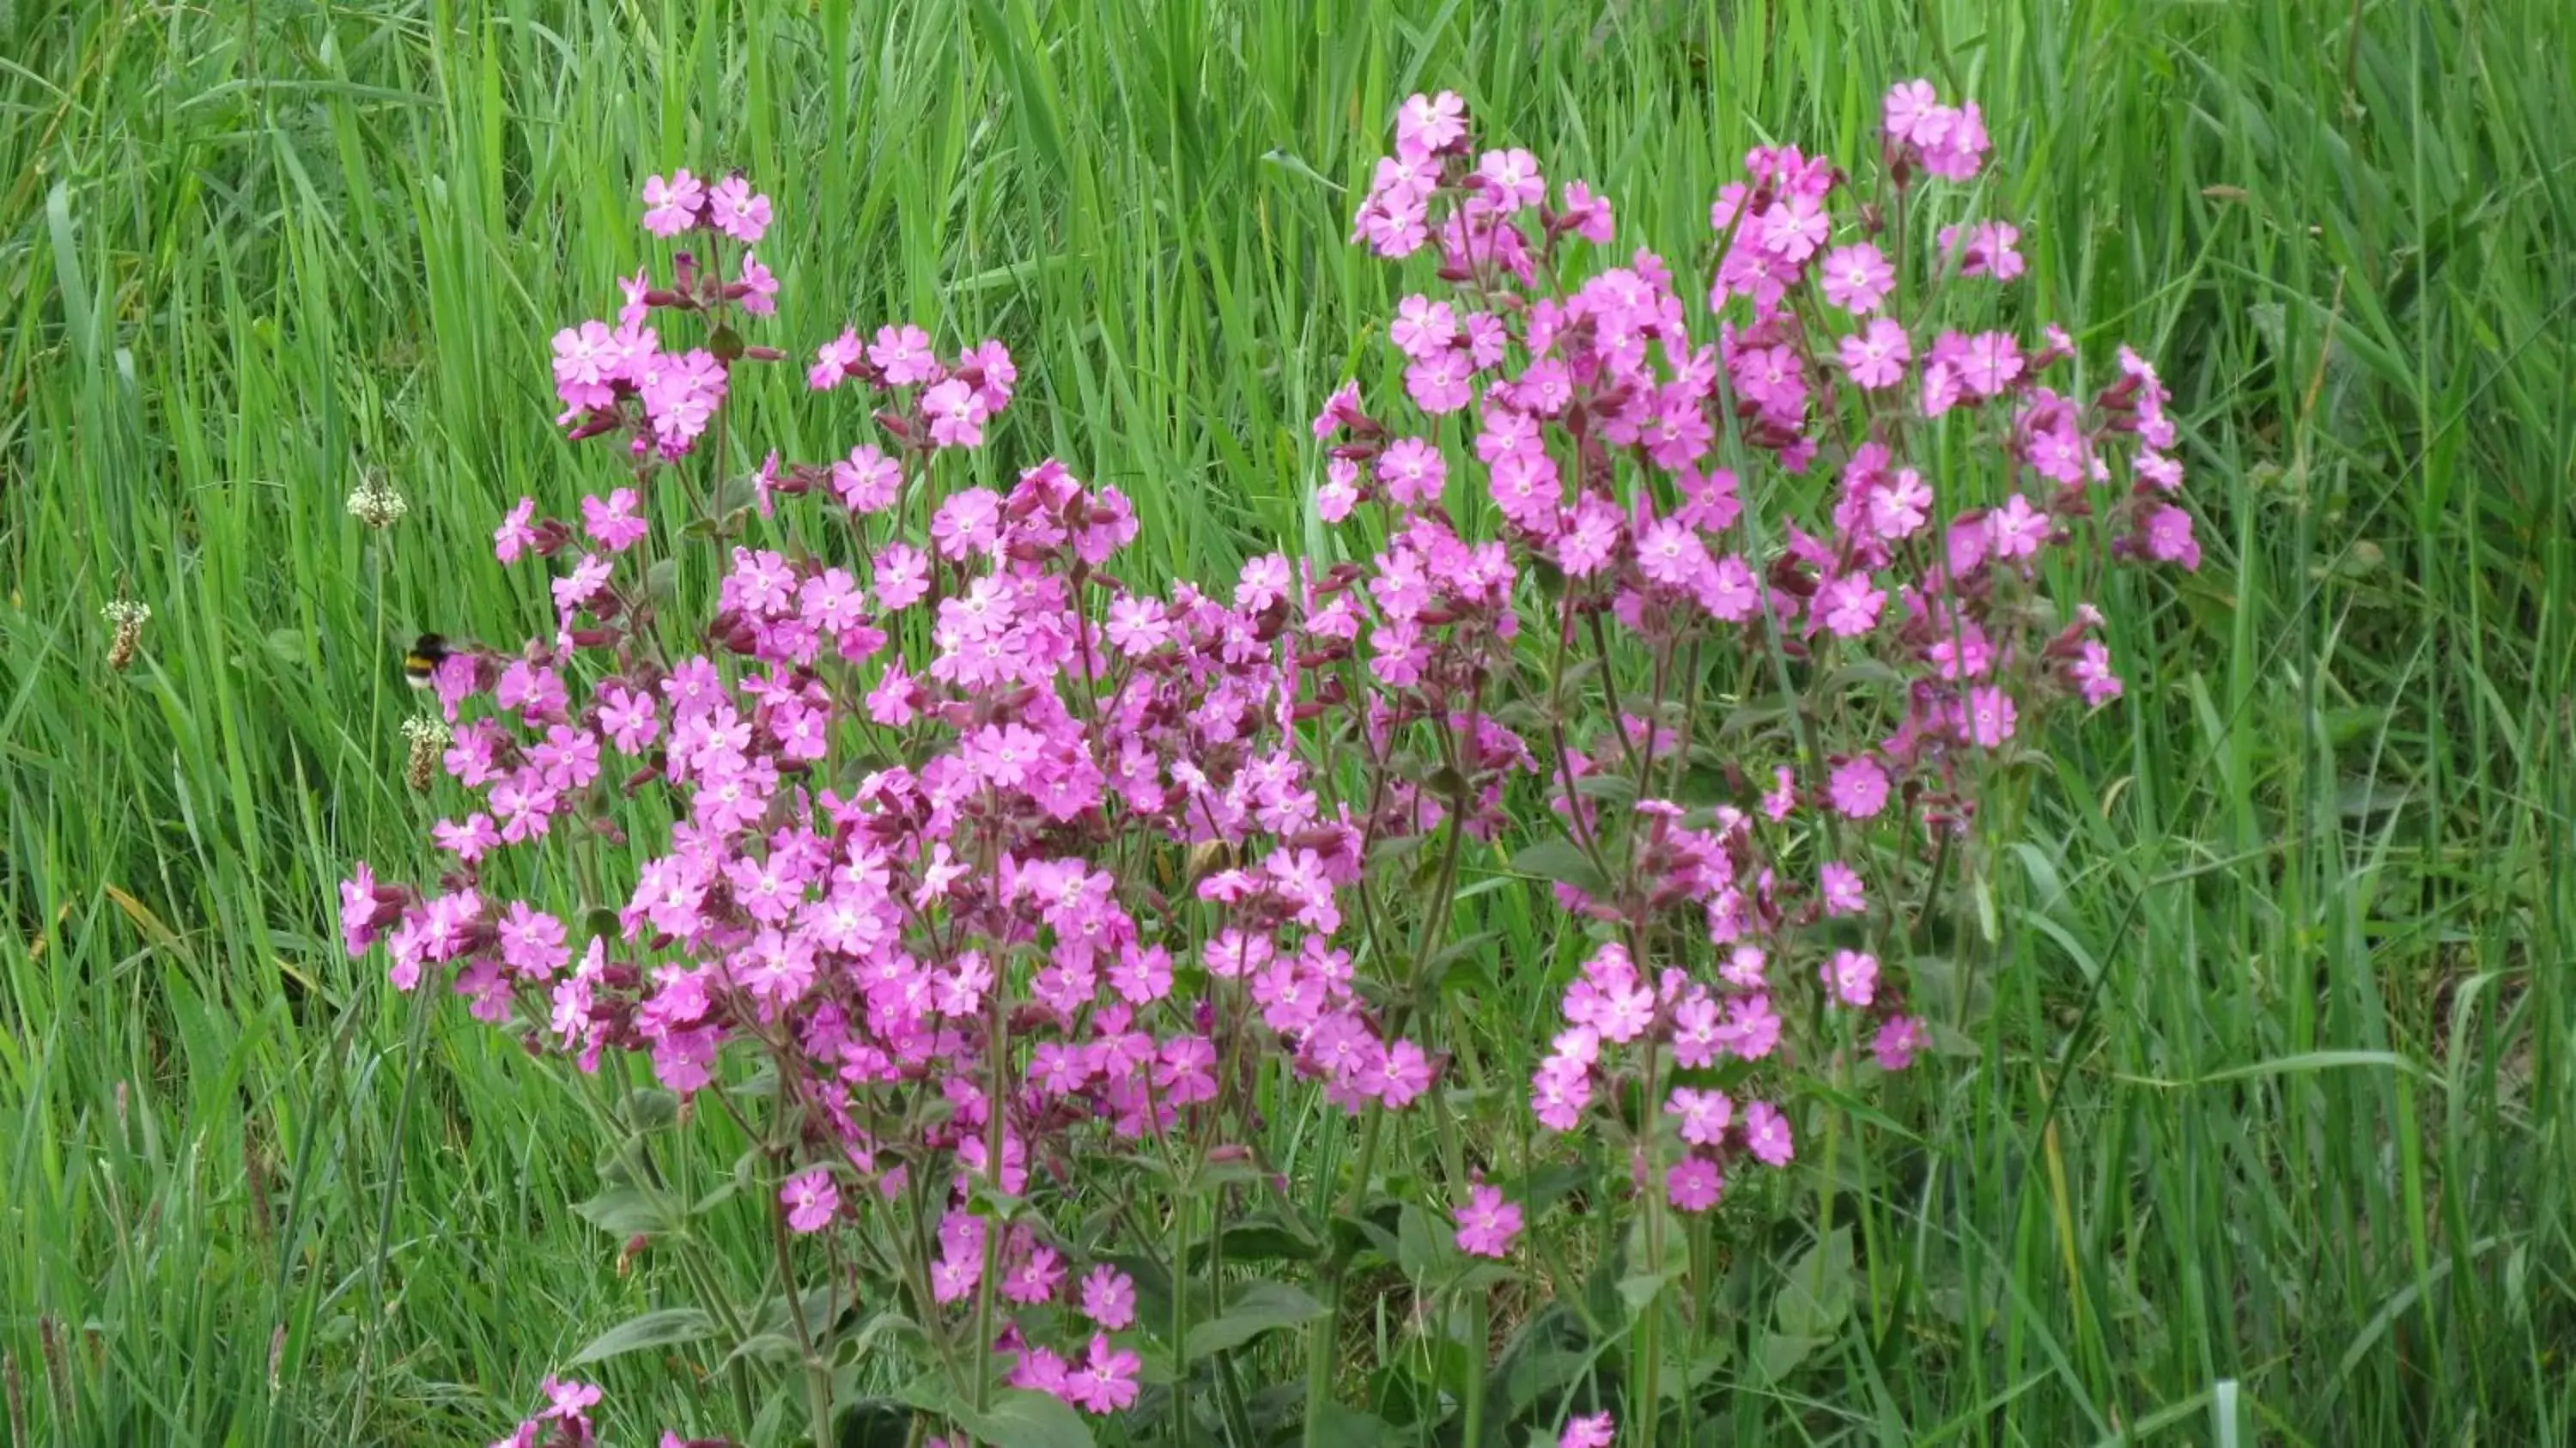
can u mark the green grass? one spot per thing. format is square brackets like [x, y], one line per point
[2272, 1139]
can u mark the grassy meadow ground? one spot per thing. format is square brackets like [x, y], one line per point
[2273, 1137]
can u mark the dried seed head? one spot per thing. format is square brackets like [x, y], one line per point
[375, 503]
[429, 739]
[16, 1391]
[127, 616]
[58, 1367]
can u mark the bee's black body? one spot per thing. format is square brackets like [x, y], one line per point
[422, 659]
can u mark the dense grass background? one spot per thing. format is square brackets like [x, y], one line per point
[2271, 1137]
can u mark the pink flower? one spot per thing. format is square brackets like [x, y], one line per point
[585, 366]
[1852, 976]
[1106, 1380]
[1991, 363]
[1511, 180]
[2091, 671]
[567, 1400]
[1704, 1115]
[1897, 1042]
[1988, 716]
[1792, 229]
[867, 481]
[1782, 797]
[1109, 1297]
[614, 522]
[1340, 411]
[532, 942]
[1035, 1279]
[1487, 1223]
[737, 212]
[1422, 328]
[2169, 538]
[1900, 505]
[1670, 552]
[633, 288]
[1766, 1134]
[834, 360]
[2017, 529]
[1413, 471]
[902, 353]
[1857, 788]
[810, 1199]
[468, 840]
[1876, 355]
[1438, 384]
[1586, 214]
[995, 374]
[1857, 278]
[672, 207]
[1595, 1431]
[1849, 606]
[957, 413]
[1692, 1184]
[1988, 250]
[1338, 493]
[1426, 124]
[1403, 1075]
[514, 535]
[1841, 889]
[759, 286]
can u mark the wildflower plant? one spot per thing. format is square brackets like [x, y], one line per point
[965, 882]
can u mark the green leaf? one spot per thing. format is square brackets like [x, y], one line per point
[1560, 859]
[1782, 1353]
[662, 1327]
[1023, 1419]
[662, 579]
[1437, 971]
[1639, 1288]
[1609, 785]
[1351, 1428]
[1551, 1185]
[1423, 1249]
[1263, 1236]
[1257, 1308]
[651, 1108]
[625, 1211]
[1818, 1294]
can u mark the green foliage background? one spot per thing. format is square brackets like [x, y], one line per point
[2269, 1140]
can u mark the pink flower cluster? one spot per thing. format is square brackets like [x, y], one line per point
[960, 957]
[1595, 419]
[621, 377]
[994, 860]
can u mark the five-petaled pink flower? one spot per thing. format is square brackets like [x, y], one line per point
[1857, 277]
[1595, 1431]
[810, 1199]
[1487, 1223]
[1105, 1381]
[671, 207]
[1766, 1134]
[1109, 1297]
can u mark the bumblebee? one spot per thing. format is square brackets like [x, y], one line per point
[421, 660]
